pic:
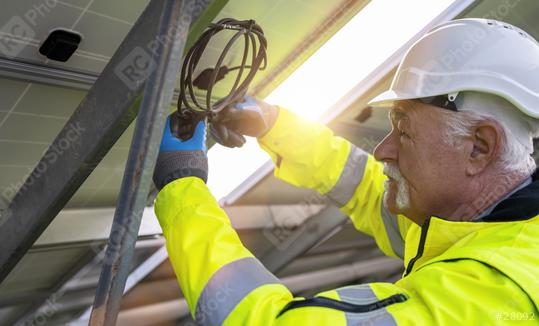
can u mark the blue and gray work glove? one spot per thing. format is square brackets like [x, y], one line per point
[252, 117]
[181, 158]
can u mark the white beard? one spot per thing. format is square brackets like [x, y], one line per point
[402, 198]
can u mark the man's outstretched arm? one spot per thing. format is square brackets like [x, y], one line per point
[307, 154]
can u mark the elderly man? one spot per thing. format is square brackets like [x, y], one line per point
[449, 190]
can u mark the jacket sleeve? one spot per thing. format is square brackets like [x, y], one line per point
[222, 282]
[214, 270]
[307, 154]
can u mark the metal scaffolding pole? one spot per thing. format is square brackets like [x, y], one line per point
[174, 22]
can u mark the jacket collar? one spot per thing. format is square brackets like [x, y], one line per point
[437, 235]
[522, 205]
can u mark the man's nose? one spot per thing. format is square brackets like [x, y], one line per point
[386, 150]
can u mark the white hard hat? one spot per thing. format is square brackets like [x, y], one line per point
[470, 55]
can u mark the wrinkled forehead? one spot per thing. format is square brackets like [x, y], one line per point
[403, 110]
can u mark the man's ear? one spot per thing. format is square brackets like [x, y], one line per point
[486, 141]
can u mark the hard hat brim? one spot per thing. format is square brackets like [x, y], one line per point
[386, 98]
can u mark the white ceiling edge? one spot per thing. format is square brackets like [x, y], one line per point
[74, 225]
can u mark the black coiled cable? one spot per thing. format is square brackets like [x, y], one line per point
[251, 32]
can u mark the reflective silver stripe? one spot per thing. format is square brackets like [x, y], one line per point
[227, 287]
[393, 233]
[363, 294]
[379, 318]
[350, 178]
[357, 294]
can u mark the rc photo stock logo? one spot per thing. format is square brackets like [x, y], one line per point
[20, 29]
[13, 35]
[135, 68]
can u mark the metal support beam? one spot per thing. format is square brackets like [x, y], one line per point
[13, 69]
[298, 241]
[100, 119]
[134, 278]
[83, 280]
[32, 316]
[174, 21]
[35, 73]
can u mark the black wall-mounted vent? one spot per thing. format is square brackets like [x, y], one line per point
[60, 45]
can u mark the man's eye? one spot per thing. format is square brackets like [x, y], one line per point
[403, 134]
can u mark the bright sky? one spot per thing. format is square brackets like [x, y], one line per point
[367, 40]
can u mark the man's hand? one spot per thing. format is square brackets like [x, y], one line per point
[252, 117]
[179, 159]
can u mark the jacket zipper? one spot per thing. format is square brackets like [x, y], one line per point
[324, 302]
[421, 246]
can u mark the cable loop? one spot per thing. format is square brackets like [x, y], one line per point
[253, 59]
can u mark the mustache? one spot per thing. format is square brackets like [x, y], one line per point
[402, 199]
[392, 171]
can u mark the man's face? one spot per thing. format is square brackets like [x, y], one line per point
[426, 175]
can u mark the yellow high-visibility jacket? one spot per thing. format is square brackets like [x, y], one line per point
[456, 273]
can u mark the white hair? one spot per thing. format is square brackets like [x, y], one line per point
[519, 129]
